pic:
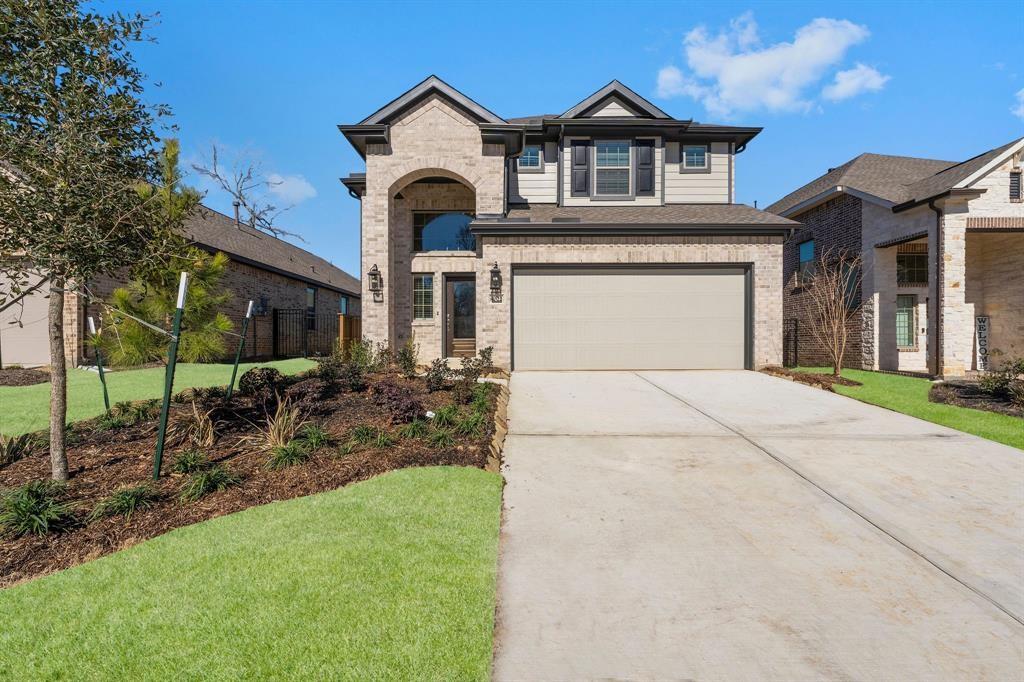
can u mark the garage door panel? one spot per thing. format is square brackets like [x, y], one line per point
[629, 319]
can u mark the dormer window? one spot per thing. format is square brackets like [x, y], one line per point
[695, 157]
[611, 168]
[531, 159]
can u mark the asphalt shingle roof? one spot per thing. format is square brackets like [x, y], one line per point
[214, 230]
[670, 214]
[951, 177]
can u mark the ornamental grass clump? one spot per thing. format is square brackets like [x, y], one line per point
[189, 461]
[125, 502]
[194, 427]
[213, 479]
[281, 428]
[314, 437]
[417, 428]
[13, 448]
[284, 456]
[446, 416]
[35, 509]
[441, 438]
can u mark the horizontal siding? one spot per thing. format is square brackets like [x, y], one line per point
[687, 188]
[613, 108]
[568, 200]
[536, 188]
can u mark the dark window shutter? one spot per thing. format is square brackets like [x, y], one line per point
[580, 168]
[1015, 186]
[550, 151]
[645, 168]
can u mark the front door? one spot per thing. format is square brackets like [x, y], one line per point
[460, 317]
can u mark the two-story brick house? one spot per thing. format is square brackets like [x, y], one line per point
[942, 245]
[606, 237]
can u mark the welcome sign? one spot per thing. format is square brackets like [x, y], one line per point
[981, 327]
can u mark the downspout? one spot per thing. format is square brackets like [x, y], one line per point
[938, 264]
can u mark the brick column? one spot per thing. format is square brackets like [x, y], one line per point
[956, 319]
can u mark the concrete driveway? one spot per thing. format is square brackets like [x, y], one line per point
[732, 525]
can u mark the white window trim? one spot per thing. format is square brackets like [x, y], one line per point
[683, 168]
[629, 168]
[416, 276]
[539, 168]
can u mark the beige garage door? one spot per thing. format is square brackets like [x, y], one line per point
[636, 318]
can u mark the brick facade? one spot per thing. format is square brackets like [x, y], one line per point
[834, 224]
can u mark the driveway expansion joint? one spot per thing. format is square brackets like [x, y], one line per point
[863, 515]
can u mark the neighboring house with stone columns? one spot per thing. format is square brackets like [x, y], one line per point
[271, 272]
[605, 237]
[941, 241]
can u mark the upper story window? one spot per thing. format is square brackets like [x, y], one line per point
[912, 265]
[343, 305]
[442, 232]
[1015, 186]
[611, 168]
[695, 157]
[531, 159]
[806, 269]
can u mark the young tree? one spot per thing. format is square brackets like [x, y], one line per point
[76, 141]
[125, 341]
[834, 291]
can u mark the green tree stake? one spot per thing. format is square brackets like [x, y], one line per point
[238, 355]
[99, 363]
[172, 358]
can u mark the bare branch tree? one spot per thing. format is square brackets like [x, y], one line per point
[834, 291]
[245, 182]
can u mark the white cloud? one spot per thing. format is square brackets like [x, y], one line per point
[293, 189]
[853, 82]
[731, 72]
[1018, 109]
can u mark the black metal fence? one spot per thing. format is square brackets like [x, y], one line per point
[791, 342]
[298, 333]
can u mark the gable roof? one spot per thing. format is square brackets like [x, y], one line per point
[430, 85]
[955, 177]
[616, 89]
[897, 181]
[215, 231]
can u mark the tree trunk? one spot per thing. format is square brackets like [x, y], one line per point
[58, 384]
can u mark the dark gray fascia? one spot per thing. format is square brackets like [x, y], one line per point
[623, 92]
[508, 228]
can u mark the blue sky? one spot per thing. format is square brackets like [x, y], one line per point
[827, 81]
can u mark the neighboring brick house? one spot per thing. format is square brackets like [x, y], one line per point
[269, 271]
[940, 240]
[606, 237]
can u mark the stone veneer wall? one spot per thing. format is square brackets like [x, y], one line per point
[835, 224]
[494, 318]
[430, 140]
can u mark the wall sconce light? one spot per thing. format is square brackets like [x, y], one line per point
[495, 283]
[376, 283]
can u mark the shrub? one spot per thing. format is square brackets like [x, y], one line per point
[287, 455]
[207, 396]
[281, 428]
[212, 479]
[195, 428]
[437, 375]
[997, 383]
[399, 402]
[189, 461]
[347, 448]
[383, 359]
[405, 358]
[441, 438]
[471, 425]
[368, 357]
[1016, 393]
[309, 395]
[482, 397]
[261, 384]
[417, 428]
[487, 358]
[446, 416]
[383, 439]
[351, 378]
[329, 367]
[109, 421]
[363, 434]
[466, 381]
[13, 448]
[34, 509]
[126, 413]
[125, 501]
[314, 437]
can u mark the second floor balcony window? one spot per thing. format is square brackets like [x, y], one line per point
[611, 168]
[442, 232]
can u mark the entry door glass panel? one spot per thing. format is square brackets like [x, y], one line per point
[463, 310]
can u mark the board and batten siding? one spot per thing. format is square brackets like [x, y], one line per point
[690, 188]
[569, 200]
[534, 187]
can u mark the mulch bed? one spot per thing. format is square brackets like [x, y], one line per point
[969, 394]
[22, 377]
[102, 461]
[825, 381]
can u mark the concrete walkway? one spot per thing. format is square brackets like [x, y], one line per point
[731, 525]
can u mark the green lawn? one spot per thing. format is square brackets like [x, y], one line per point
[392, 578]
[27, 408]
[909, 395]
